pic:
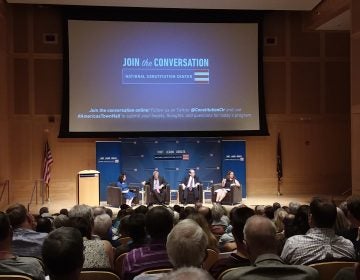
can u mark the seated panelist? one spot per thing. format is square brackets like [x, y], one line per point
[227, 183]
[123, 185]
[191, 183]
[157, 185]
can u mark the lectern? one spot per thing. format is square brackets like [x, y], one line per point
[88, 187]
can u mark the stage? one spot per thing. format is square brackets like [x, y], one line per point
[251, 201]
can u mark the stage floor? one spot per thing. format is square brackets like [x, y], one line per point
[251, 201]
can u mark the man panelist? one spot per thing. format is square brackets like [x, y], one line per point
[191, 183]
[157, 185]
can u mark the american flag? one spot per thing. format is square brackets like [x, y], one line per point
[48, 161]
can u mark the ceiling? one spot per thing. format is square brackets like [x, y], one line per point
[192, 4]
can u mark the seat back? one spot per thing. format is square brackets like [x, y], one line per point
[118, 263]
[211, 258]
[98, 274]
[157, 271]
[114, 196]
[327, 270]
[14, 277]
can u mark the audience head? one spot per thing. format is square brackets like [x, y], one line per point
[279, 217]
[5, 229]
[123, 228]
[19, 216]
[62, 253]
[217, 211]
[109, 212]
[322, 213]
[43, 210]
[98, 211]
[269, 212]
[186, 244]
[61, 221]
[289, 226]
[259, 234]
[187, 273]
[136, 226]
[141, 209]
[102, 226]
[64, 211]
[293, 207]
[206, 213]
[238, 219]
[276, 205]
[301, 220]
[83, 211]
[353, 209]
[260, 210]
[82, 224]
[158, 222]
[44, 225]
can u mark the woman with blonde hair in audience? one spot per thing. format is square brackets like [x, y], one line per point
[200, 220]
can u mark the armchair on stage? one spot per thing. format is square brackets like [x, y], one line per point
[115, 197]
[191, 198]
[149, 197]
[232, 197]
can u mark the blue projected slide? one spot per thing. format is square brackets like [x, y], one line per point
[163, 76]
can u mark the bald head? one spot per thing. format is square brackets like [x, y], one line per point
[259, 234]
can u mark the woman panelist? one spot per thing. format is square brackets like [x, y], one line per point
[226, 184]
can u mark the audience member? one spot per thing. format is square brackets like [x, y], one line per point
[293, 207]
[44, 225]
[220, 219]
[61, 221]
[102, 227]
[158, 223]
[259, 235]
[26, 241]
[260, 210]
[269, 212]
[98, 253]
[206, 212]
[64, 211]
[136, 230]
[98, 210]
[200, 220]
[9, 262]
[276, 206]
[301, 219]
[353, 214]
[238, 219]
[63, 254]
[44, 212]
[320, 242]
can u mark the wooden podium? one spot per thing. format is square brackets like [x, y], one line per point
[88, 187]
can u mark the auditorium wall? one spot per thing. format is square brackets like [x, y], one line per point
[307, 95]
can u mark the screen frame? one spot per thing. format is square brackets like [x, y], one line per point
[160, 15]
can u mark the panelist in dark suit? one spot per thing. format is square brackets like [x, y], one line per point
[157, 185]
[191, 183]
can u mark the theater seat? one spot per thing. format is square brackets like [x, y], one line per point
[232, 197]
[327, 270]
[115, 198]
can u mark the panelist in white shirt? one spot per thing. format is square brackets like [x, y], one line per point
[191, 183]
[157, 185]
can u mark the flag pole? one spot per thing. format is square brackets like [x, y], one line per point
[279, 168]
